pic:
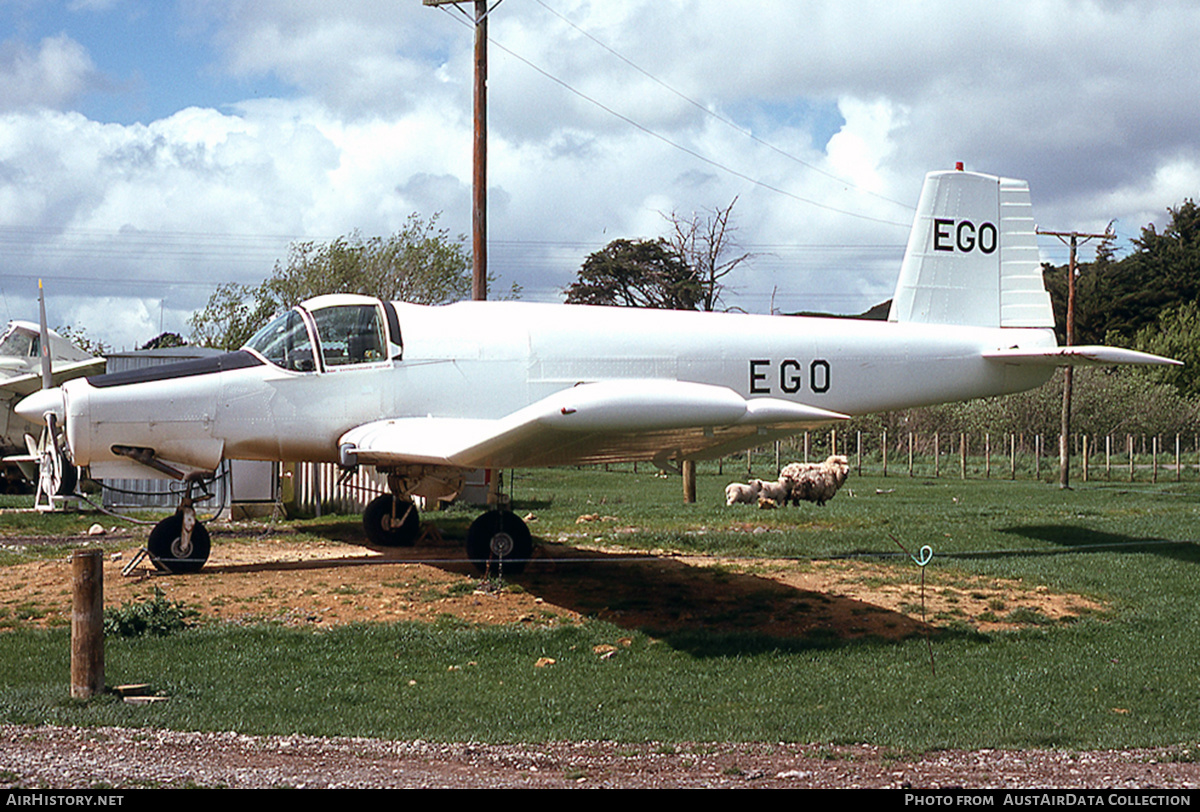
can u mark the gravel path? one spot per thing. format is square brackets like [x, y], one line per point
[72, 758]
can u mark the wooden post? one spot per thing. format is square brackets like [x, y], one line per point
[910, 454]
[1012, 457]
[1085, 458]
[87, 624]
[1037, 457]
[1154, 460]
[689, 482]
[1129, 444]
[884, 448]
[937, 462]
[1176, 457]
[962, 455]
[858, 453]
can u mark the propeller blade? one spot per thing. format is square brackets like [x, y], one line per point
[47, 375]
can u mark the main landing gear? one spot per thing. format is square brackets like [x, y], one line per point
[498, 541]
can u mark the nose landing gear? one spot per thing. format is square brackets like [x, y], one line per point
[180, 544]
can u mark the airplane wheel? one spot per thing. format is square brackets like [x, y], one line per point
[56, 476]
[383, 531]
[499, 537]
[167, 550]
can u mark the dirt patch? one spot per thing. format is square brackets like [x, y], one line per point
[252, 577]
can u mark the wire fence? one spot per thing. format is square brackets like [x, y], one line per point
[1126, 457]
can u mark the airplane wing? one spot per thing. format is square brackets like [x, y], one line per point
[608, 421]
[31, 382]
[1080, 355]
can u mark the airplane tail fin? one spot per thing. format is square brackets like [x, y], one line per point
[972, 256]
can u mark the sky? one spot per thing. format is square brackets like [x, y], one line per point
[153, 149]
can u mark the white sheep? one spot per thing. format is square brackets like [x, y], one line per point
[815, 481]
[739, 492]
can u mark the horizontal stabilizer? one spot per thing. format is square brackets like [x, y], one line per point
[1079, 356]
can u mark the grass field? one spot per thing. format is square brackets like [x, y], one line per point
[1123, 678]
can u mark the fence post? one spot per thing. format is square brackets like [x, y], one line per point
[1012, 457]
[1085, 457]
[937, 456]
[858, 452]
[87, 624]
[883, 446]
[962, 455]
[910, 453]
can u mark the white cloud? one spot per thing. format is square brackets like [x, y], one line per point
[1101, 120]
[52, 75]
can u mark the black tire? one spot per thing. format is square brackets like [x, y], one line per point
[380, 529]
[498, 539]
[165, 550]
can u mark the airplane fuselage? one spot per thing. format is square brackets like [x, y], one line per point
[486, 360]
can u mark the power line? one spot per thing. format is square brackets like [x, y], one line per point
[726, 121]
[684, 149]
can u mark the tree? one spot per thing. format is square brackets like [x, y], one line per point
[164, 341]
[636, 273]
[1126, 295]
[233, 313]
[80, 338]
[420, 263]
[706, 243]
[1176, 334]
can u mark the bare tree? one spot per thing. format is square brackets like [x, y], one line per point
[706, 242]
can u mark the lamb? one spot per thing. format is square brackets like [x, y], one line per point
[777, 491]
[739, 492]
[815, 482]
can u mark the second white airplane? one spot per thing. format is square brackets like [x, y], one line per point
[426, 394]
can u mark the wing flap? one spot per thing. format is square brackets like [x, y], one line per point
[608, 421]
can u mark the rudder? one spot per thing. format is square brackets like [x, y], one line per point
[972, 256]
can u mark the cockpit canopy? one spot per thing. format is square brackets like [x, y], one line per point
[23, 339]
[328, 332]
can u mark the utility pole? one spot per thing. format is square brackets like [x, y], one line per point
[479, 173]
[1072, 239]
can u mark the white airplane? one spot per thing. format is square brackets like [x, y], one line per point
[425, 394]
[20, 375]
